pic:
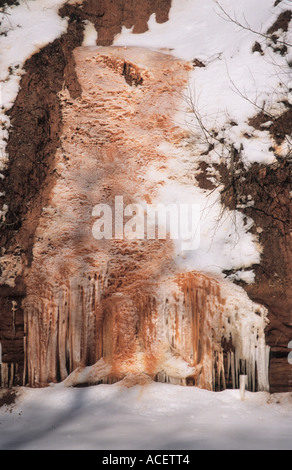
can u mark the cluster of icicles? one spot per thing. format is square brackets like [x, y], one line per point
[187, 330]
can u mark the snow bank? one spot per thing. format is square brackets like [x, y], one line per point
[155, 416]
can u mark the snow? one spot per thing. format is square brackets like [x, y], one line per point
[25, 29]
[225, 242]
[154, 416]
[221, 238]
[90, 34]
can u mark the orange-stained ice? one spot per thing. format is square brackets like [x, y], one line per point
[118, 304]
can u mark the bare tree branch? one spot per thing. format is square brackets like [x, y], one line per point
[246, 26]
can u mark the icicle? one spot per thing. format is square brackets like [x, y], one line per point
[11, 378]
[243, 381]
[4, 375]
[233, 373]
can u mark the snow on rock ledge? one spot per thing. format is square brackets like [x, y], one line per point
[25, 29]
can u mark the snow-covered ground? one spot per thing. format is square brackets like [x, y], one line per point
[155, 416]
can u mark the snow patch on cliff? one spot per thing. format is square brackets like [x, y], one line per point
[90, 34]
[24, 30]
[234, 82]
[224, 241]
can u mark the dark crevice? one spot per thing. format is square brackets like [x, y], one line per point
[131, 74]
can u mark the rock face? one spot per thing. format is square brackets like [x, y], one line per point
[81, 310]
[274, 275]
